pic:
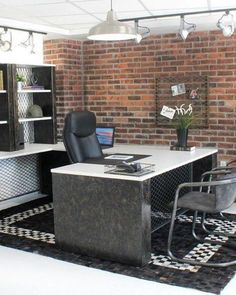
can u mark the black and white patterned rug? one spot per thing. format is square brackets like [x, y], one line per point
[29, 227]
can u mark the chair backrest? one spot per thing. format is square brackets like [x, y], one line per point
[79, 136]
[226, 194]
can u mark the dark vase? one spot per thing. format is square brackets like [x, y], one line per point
[182, 137]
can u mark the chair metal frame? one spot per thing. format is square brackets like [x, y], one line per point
[200, 184]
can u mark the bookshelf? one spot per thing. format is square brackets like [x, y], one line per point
[16, 125]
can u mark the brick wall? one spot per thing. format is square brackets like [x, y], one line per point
[120, 85]
[66, 55]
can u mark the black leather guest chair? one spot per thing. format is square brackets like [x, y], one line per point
[79, 136]
[219, 194]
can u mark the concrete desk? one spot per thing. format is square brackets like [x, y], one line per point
[109, 216]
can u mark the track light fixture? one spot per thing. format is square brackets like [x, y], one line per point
[6, 39]
[185, 28]
[226, 24]
[140, 35]
[5, 45]
[29, 42]
[227, 27]
[111, 29]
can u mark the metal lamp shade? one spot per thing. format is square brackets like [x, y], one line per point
[111, 30]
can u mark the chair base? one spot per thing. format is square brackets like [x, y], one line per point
[195, 262]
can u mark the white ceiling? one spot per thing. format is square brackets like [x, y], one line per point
[76, 17]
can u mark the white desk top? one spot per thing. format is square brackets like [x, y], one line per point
[164, 159]
[33, 148]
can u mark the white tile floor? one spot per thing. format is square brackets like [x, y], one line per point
[25, 273]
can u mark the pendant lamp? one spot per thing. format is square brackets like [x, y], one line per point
[112, 29]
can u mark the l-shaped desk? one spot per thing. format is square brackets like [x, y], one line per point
[109, 216]
[99, 214]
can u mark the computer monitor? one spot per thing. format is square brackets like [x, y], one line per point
[105, 135]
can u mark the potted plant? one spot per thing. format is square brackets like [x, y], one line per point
[183, 120]
[20, 79]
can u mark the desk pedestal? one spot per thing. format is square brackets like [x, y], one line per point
[105, 218]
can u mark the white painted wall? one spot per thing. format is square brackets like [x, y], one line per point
[21, 55]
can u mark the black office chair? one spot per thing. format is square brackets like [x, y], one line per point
[218, 196]
[80, 138]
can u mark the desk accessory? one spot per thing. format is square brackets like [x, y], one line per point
[118, 157]
[130, 169]
[182, 148]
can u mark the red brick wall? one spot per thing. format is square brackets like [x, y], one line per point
[66, 55]
[120, 84]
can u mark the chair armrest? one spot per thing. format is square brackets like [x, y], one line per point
[216, 171]
[201, 184]
[230, 162]
[221, 168]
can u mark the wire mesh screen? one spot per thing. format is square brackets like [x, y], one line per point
[175, 91]
[25, 100]
[163, 189]
[19, 176]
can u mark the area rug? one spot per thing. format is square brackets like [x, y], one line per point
[29, 227]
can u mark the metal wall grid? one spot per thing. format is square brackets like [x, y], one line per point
[19, 176]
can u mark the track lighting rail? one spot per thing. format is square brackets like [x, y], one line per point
[176, 14]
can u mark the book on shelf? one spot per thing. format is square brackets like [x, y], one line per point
[182, 148]
[1, 80]
[33, 87]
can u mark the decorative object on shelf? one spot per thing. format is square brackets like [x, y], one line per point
[34, 79]
[20, 79]
[183, 120]
[178, 90]
[1, 80]
[33, 87]
[35, 111]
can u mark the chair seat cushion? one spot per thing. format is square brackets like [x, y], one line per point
[199, 201]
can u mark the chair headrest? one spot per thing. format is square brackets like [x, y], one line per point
[82, 123]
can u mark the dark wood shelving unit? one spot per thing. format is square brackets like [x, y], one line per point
[16, 127]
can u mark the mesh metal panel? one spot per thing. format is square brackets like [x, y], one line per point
[25, 100]
[28, 131]
[19, 176]
[163, 189]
